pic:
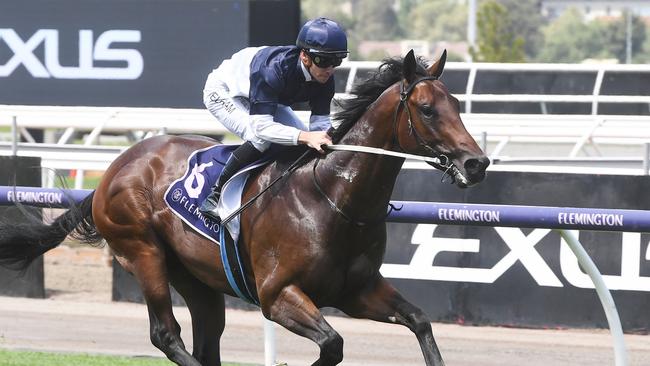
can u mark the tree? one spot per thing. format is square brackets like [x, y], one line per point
[495, 40]
[643, 56]
[335, 10]
[615, 36]
[332, 9]
[436, 20]
[564, 38]
[570, 39]
[404, 14]
[379, 21]
[526, 20]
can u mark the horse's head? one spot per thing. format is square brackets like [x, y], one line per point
[427, 122]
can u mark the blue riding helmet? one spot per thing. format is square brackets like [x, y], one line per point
[323, 36]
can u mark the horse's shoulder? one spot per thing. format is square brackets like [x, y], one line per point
[284, 157]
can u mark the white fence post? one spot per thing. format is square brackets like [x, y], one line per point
[620, 354]
[269, 343]
[646, 159]
[14, 136]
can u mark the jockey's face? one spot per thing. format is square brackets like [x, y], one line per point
[320, 74]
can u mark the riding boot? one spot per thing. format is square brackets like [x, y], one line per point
[241, 157]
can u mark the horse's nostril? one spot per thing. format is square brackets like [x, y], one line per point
[485, 161]
[472, 165]
[476, 165]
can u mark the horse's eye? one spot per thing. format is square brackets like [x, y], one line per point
[428, 111]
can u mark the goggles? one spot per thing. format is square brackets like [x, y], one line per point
[325, 61]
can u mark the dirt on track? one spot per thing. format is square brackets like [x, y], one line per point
[78, 316]
[78, 273]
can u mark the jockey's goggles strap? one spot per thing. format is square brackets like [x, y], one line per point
[338, 54]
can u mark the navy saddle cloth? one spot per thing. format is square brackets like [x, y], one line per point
[184, 197]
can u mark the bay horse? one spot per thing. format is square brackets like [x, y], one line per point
[316, 240]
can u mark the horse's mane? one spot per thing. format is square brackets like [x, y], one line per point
[367, 91]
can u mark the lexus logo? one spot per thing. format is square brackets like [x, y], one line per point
[90, 50]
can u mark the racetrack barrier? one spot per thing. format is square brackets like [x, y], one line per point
[14, 169]
[42, 197]
[417, 212]
[426, 214]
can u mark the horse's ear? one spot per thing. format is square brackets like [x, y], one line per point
[437, 68]
[409, 66]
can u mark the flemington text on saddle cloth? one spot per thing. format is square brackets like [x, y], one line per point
[185, 194]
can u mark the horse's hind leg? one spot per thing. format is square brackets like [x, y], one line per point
[207, 308]
[295, 311]
[146, 260]
[381, 302]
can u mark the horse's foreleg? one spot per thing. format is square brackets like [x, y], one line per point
[148, 267]
[295, 311]
[381, 302]
[207, 308]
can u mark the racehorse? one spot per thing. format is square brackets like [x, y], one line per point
[316, 239]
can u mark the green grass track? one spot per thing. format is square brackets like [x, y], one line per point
[29, 358]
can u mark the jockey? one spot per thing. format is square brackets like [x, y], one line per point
[251, 94]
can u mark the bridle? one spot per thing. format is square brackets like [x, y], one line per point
[445, 164]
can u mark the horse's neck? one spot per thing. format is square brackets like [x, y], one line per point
[375, 127]
[365, 181]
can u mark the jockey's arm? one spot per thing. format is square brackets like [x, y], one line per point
[267, 129]
[319, 122]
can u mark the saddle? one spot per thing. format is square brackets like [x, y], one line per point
[185, 194]
[184, 197]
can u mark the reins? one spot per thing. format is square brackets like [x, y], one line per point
[440, 161]
[449, 170]
[297, 163]
[353, 148]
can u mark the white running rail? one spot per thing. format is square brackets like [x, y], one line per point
[499, 129]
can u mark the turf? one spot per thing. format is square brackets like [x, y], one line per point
[29, 358]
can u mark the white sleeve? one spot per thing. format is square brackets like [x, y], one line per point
[319, 123]
[267, 129]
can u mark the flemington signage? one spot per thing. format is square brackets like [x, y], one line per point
[484, 216]
[523, 216]
[568, 218]
[41, 197]
[595, 219]
[53, 198]
[505, 264]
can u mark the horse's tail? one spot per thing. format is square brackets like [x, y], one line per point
[21, 243]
